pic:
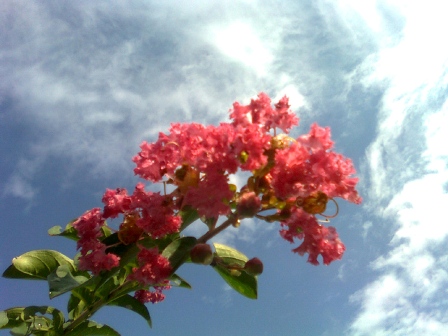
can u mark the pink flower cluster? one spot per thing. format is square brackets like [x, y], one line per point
[317, 239]
[308, 166]
[151, 213]
[93, 253]
[153, 270]
[295, 176]
[215, 152]
[155, 296]
[155, 213]
[198, 159]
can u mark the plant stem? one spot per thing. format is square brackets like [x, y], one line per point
[210, 234]
[118, 292]
[84, 316]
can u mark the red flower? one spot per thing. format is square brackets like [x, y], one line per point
[250, 145]
[308, 166]
[157, 159]
[115, 202]
[205, 147]
[292, 176]
[89, 225]
[319, 138]
[155, 296]
[317, 239]
[153, 267]
[157, 216]
[211, 195]
[260, 112]
[284, 118]
[334, 175]
[94, 258]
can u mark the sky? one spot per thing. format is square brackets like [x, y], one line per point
[84, 83]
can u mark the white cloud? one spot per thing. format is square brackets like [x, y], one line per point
[20, 182]
[436, 139]
[379, 303]
[18, 186]
[296, 99]
[242, 43]
[408, 178]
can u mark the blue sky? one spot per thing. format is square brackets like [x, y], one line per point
[84, 83]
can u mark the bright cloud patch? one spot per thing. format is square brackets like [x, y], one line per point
[242, 43]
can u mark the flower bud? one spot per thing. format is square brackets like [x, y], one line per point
[129, 232]
[254, 266]
[201, 254]
[315, 203]
[186, 177]
[248, 205]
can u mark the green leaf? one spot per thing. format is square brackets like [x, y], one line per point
[131, 303]
[43, 323]
[92, 328]
[37, 264]
[75, 306]
[10, 318]
[179, 282]
[62, 280]
[104, 289]
[69, 231]
[243, 283]
[229, 255]
[106, 230]
[32, 319]
[21, 329]
[3, 318]
[189, 215]
[178, 251]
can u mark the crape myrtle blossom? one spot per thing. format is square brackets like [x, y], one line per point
[142, 212]
[317, 239]
[294, 177]
[93, 253]
[308, 166]
[198, 159]
[94, 257]
[153, 268]
[157, 212]
[154, 296]
[250, 146]
[226, 147]
[154, 213]
[211, 196]
[259, 112]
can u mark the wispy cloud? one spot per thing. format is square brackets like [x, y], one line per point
[19, 187]
[94, 81]
[408, 175]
